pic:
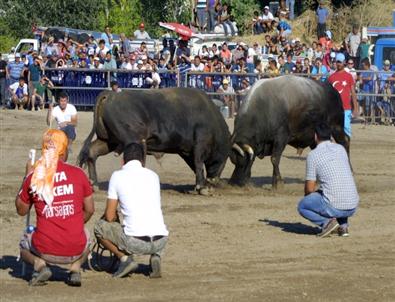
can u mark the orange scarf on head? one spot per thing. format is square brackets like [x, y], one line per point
[54, 145]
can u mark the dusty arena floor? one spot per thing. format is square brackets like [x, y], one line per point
[239, 244]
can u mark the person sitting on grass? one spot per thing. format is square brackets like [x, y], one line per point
[63, 199]
[337, 197]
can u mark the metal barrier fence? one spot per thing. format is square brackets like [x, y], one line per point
[83, 85]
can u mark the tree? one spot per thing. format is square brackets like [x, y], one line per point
[243, 11]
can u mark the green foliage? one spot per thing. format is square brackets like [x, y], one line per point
[243, 11]
[123, 16]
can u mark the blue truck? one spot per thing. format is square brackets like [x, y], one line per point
[383, 39]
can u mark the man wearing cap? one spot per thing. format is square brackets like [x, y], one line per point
[19, 94]
[63, 200]
[386, 86]
[228, 97]
[136, 190]
[267, 18]
[322, 14]
[344, 83]
[141, 33]
[15, 69]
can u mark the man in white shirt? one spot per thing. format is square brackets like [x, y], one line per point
[19, 94]
[267, 18]
[143, 232]
[141, 33]
[228, 97]
[65, 115]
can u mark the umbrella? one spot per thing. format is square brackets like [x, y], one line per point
[184, 31]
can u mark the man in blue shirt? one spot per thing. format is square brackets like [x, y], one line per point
[322, 14]
[319, 68]
[289, 66]
[367, 79]
[15, 69]
[283, 26]
[107, 37]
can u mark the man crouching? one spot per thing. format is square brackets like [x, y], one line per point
[137, 191]
[63, 199]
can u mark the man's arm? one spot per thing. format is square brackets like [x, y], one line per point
[22, 208]
[110, 213]
[309, 187]
[89, 208]
[74, 120]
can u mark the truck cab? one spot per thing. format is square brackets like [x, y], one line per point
[383, 39]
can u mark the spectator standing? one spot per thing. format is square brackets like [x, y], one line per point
[224, 19]
[51, 49]
[19, 94]
[290, 4]
[102, 50]
[16, 69]
[125, 45]
[368, 79]
[210, 8]
[141, 33]
[42, 89]
[34, 75]
[65, 115]
[337, 198]
[201, 13]
[322, 14]
[63, 200]
[344, 83]
[363, 50]
[109, 62]
[107, 38]
[3, 77]
[227, 97]
[136, 190]
[225, 54]
[352, 42]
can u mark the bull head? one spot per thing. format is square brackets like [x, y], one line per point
[242, 157]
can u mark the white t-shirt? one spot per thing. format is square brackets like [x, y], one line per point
[64, 116]
[267, 17]
[200, 67]
[138, 191]
[141, 35]
[15, 86]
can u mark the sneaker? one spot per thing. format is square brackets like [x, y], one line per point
[125, 267]
[327, 230]
[343, 232]
[74, 279]
[41, 277]
[155, 267]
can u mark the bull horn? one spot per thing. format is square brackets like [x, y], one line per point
[238, 149]
[247, 148]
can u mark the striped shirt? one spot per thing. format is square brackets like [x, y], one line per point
[329, 165]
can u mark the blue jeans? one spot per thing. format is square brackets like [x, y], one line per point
[290, 4]
[315, 208]
[211, 19]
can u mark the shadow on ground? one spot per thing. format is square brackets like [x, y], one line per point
[292, 227]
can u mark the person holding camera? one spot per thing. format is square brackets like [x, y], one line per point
[65, 115]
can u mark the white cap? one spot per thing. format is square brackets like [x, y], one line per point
[266, 7]
[139, 62]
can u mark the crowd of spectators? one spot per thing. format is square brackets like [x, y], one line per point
[281, 53]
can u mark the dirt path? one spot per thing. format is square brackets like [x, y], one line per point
[239, 245]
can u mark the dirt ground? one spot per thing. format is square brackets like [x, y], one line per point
[241, 244]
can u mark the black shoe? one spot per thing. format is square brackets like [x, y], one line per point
[155, 267]
[41, 277]
[74, 279]
[125, 267]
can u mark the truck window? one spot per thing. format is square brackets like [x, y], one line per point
[25, 47]
[389, 54]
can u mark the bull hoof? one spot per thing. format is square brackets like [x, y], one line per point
[279, 185]
[204, 191]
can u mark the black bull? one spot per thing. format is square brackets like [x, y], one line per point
[175, 120]
[278, 112]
